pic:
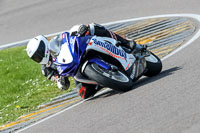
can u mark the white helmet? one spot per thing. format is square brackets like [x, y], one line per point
[37, 49]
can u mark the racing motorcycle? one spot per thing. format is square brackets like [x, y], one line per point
[101, 61]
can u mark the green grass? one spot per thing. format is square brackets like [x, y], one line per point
[22, 85]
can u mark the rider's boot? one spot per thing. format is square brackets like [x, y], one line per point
[86, 90]
[130, 44]
[133, 46]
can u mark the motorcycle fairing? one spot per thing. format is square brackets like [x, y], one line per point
[108, 46]
[72, 50]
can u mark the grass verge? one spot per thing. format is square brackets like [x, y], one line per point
[22, 86]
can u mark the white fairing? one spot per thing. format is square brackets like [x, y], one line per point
[108, 46]
[65, 56]
[151, 58]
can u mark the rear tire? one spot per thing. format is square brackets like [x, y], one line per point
[115, 80]
[154, 65]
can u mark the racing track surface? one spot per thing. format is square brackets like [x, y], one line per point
[169, 102]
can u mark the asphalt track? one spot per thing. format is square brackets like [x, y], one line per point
[169, 102]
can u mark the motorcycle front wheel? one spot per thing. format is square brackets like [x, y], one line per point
[116, 80]
[154, 65]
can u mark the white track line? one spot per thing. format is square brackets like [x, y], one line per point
[102, 92]
[197, 35]
[194, 16]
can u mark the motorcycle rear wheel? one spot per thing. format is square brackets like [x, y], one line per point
[116, 80]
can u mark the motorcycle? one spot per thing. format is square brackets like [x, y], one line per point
[101, 61]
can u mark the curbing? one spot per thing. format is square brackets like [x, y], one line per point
[15, 44]
[59, 99]
[24, 42]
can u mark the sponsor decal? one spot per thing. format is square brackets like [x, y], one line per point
[128, 65]
[63, 35]
[59, 69]
[110, 49]
[133, 72]
[90, 43]
[46, 55]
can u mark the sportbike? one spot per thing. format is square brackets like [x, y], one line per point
[101, 61]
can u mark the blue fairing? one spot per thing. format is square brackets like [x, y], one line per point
[77, 47]
[100, 63]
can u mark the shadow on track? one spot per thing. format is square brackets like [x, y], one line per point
[147, 80]
[140, 82]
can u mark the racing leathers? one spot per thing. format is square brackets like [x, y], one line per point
[99, 30]
[49, 70]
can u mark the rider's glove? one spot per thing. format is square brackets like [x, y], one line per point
[63, 83]
[82, 30]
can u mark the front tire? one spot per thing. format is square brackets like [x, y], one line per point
[154, 65]
[116, 80]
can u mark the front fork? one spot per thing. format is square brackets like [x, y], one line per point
[139, 66]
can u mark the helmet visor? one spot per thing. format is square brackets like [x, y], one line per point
[39, 53]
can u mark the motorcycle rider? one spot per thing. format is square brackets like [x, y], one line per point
[43, 52]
